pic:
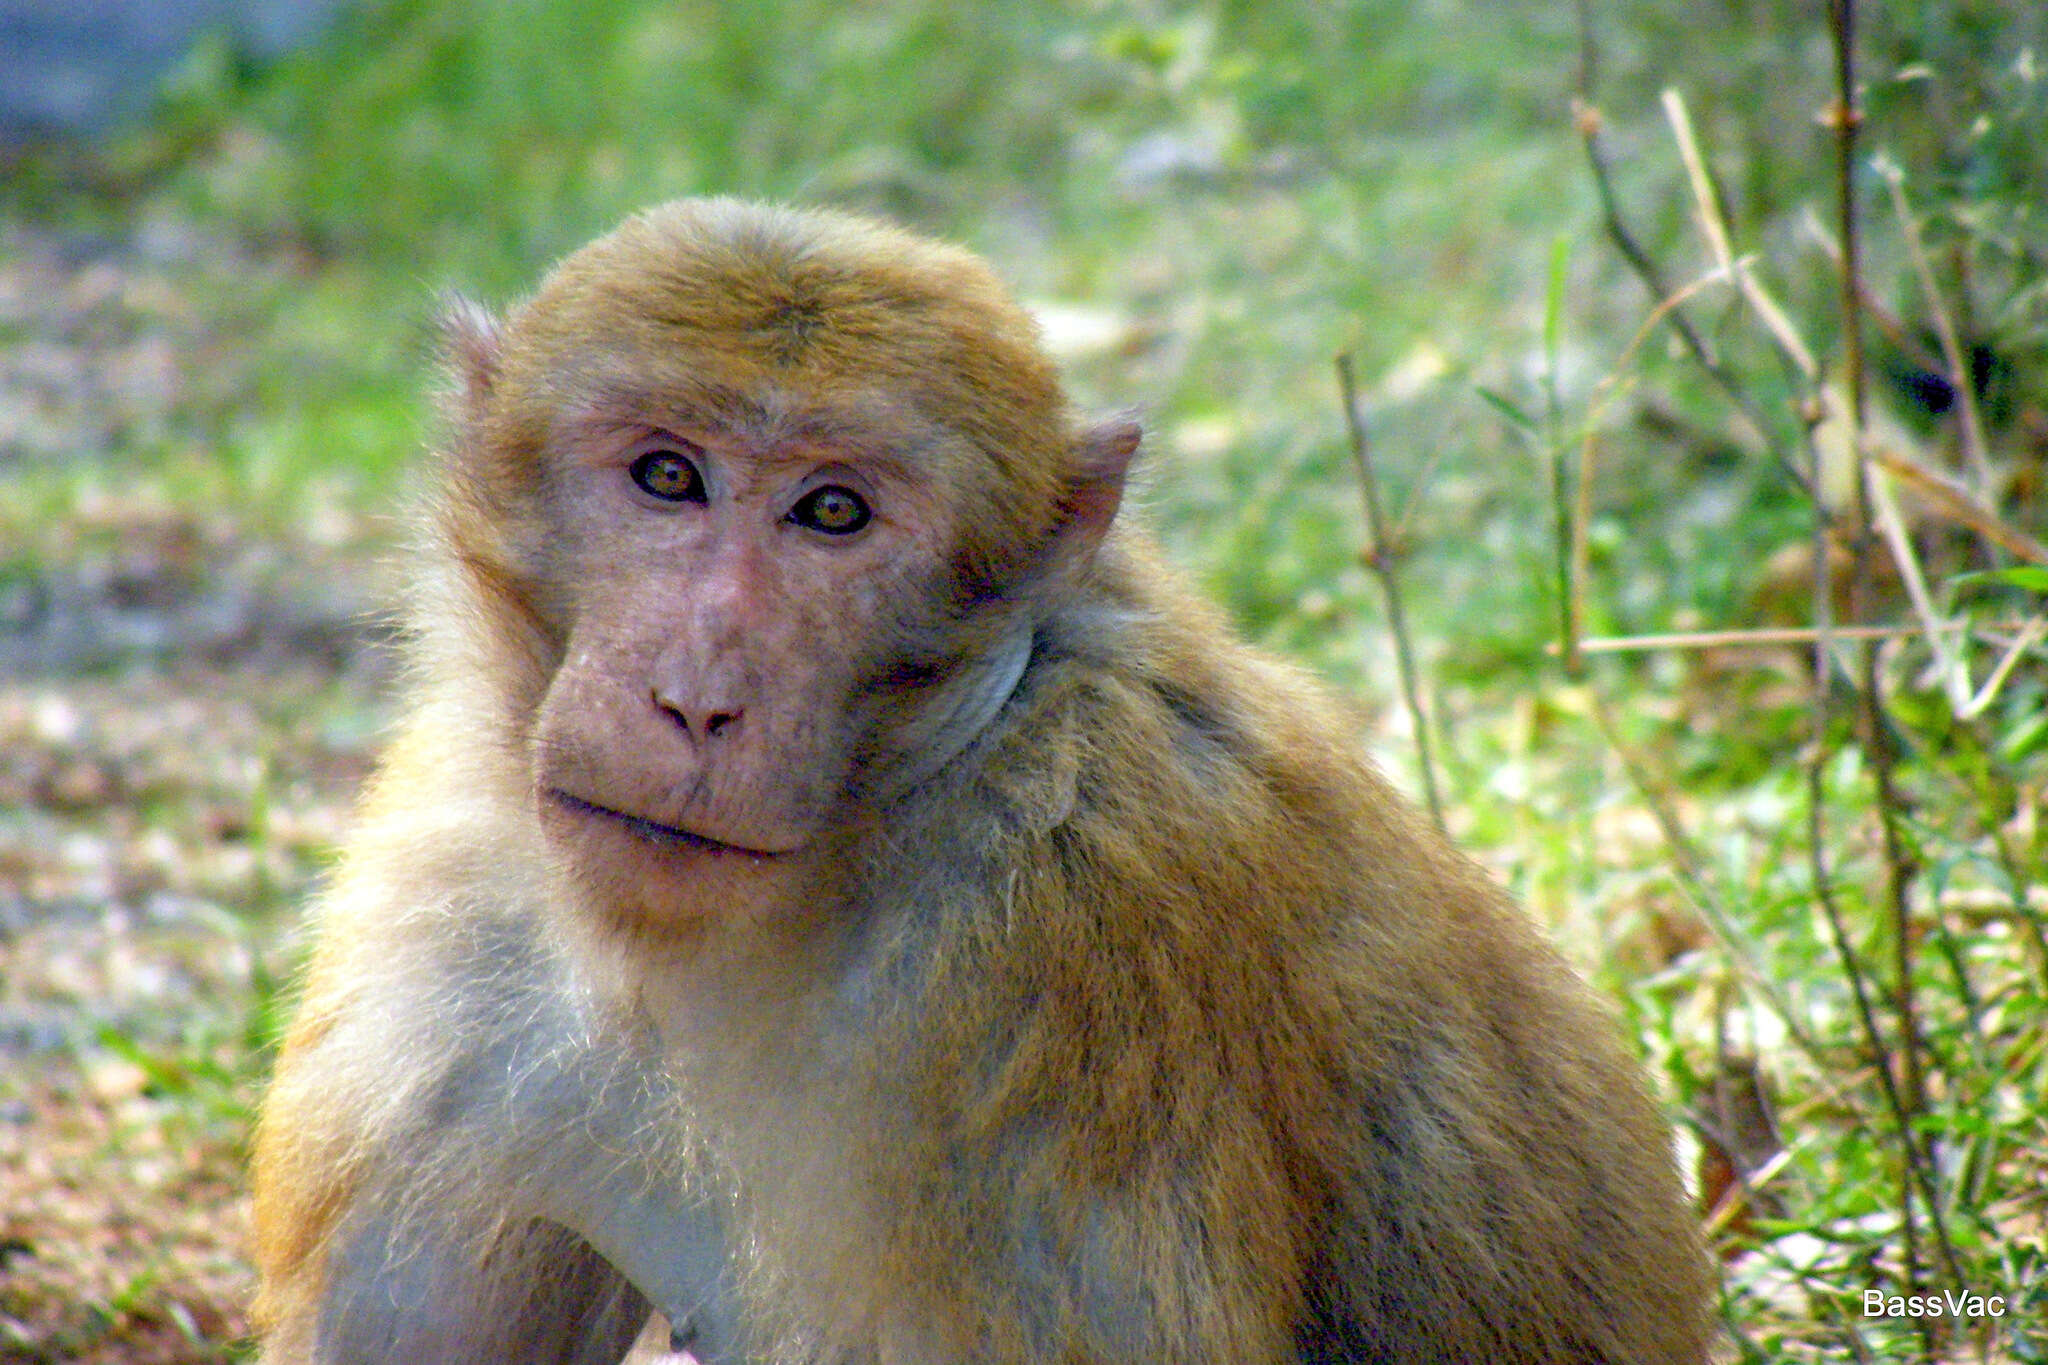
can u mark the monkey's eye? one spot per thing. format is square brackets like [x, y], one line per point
[668, 475]
[834, 510]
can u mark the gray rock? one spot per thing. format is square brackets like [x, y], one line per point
[69, 69]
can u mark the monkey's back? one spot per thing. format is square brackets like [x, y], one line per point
[1317, 1072]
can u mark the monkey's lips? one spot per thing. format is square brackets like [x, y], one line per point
[654, 832]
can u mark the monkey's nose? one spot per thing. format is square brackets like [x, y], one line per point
[701, 720]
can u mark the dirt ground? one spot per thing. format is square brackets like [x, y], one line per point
[187, 703]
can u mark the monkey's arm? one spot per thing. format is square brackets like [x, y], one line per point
[572, 1283]
[501, 1211]
[390, 1222]
[451, 1165]
[395, 1296]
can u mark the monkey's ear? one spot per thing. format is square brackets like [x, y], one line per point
[473, 340]
[1095, 487]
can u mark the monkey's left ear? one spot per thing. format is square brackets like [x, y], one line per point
[474, 340]
[1100, 462]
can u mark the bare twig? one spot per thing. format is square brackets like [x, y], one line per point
[1844, 119]
[2015, 640]
[1714, 228]
[1957, 504]
[1975, 453]
[1951, 658]
[1568, 529]
[1905, 1094]
[1875, 310]
[1586, 117]
[2030, 635]
[1382, 558]
[1760, 638]
[1876, 464]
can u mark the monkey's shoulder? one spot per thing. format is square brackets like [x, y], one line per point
[1215, 807]
[1180, 736]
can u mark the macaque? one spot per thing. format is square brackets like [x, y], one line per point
[835, 886]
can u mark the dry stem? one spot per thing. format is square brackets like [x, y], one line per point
[1382, 558]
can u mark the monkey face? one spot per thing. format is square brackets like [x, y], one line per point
[735, 591]
[776, 505]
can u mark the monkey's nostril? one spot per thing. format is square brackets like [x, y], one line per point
[700, 721]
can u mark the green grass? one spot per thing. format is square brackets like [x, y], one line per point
[1238, 192]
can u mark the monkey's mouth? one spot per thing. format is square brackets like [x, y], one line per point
[654, 832]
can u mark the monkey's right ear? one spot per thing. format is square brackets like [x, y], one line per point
[473, 340]
[1100, 463]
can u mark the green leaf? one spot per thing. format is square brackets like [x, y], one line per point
[1502, 404]
[2031, 577]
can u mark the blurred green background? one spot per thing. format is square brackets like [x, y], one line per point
[215, 374]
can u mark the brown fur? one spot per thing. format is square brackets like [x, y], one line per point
[1092, 999]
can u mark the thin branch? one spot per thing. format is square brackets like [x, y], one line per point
[1875, 311]
[1952, 664]
[1844, 118]
[1957, 504]
[1566, 526]
[2030, 635]
[1586, 117]
[1714, 228]
[1760, 638]
[1382, 558]
[1975, 452]
[1906, 1095]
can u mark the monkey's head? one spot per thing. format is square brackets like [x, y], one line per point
[765, 502]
